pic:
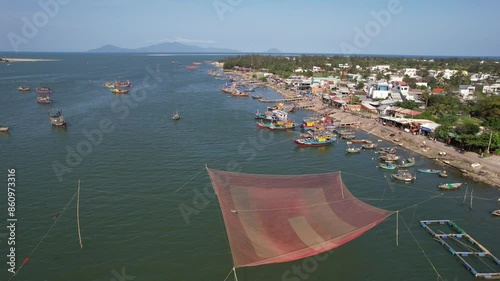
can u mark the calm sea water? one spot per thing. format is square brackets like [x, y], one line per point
[138, 169]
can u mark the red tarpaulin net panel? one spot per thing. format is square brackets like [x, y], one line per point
[273, 219]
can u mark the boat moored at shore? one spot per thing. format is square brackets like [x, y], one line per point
[404, 175]
[450, 186]
[429, 171]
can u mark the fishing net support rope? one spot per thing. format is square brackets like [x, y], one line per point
[45, 236]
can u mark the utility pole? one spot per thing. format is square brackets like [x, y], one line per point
[489, 143]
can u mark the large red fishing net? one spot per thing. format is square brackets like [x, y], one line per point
[273, 219]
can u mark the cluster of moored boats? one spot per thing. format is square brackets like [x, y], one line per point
[321, 131]
[236, 91]
[118, 87]
[389, 162]
[55, 116]
[43, 97]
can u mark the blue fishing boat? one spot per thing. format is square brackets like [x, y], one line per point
[314, 141]
[387, 166]
[429, 171]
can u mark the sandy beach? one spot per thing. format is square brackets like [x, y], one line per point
[25, 60]
[471, 165]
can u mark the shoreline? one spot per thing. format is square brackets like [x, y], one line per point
[487, 172]
[7, 60]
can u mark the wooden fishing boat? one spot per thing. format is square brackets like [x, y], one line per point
[368, 145]
[496, 213]
[44, 99]
[239, 94]
[122, 84]
[3, 128]
[408, 162]
[263, 115]
[387, 150]
[387, 166]
[429, 171]
[256, 97]
[404, 175]
[56, 119]
[23, 89]
[226, 90]
[281, 106]
[191, 67]
[353, 149]
[176, 116]
[280, 125]
[309, 124]
[443, 174]
[450, 186]
[314, 141]
[196, 63]
[348, 137]
[119, 91]
[362, 141]
[109, 85]
[389, 157]
[43, 90]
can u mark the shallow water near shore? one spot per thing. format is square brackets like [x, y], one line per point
[138, 168]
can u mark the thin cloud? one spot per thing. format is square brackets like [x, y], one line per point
[182, 40]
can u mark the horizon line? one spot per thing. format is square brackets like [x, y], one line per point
[266, 53]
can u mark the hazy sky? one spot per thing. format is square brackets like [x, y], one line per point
[411, 27]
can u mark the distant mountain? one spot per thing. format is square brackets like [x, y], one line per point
[110, 49]
[169, 47]
[273, 51]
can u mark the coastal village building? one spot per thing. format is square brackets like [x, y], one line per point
[438, 90]
[477, 77]
[402, 112]
[412, 72]
[396, 78]
[491, 89]
[448, 73]
[367, 107]
[317, 69]
[404, 90]
[322, 81]
[380, 91]
[380, 67]
[421, 84]
[466, 92]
